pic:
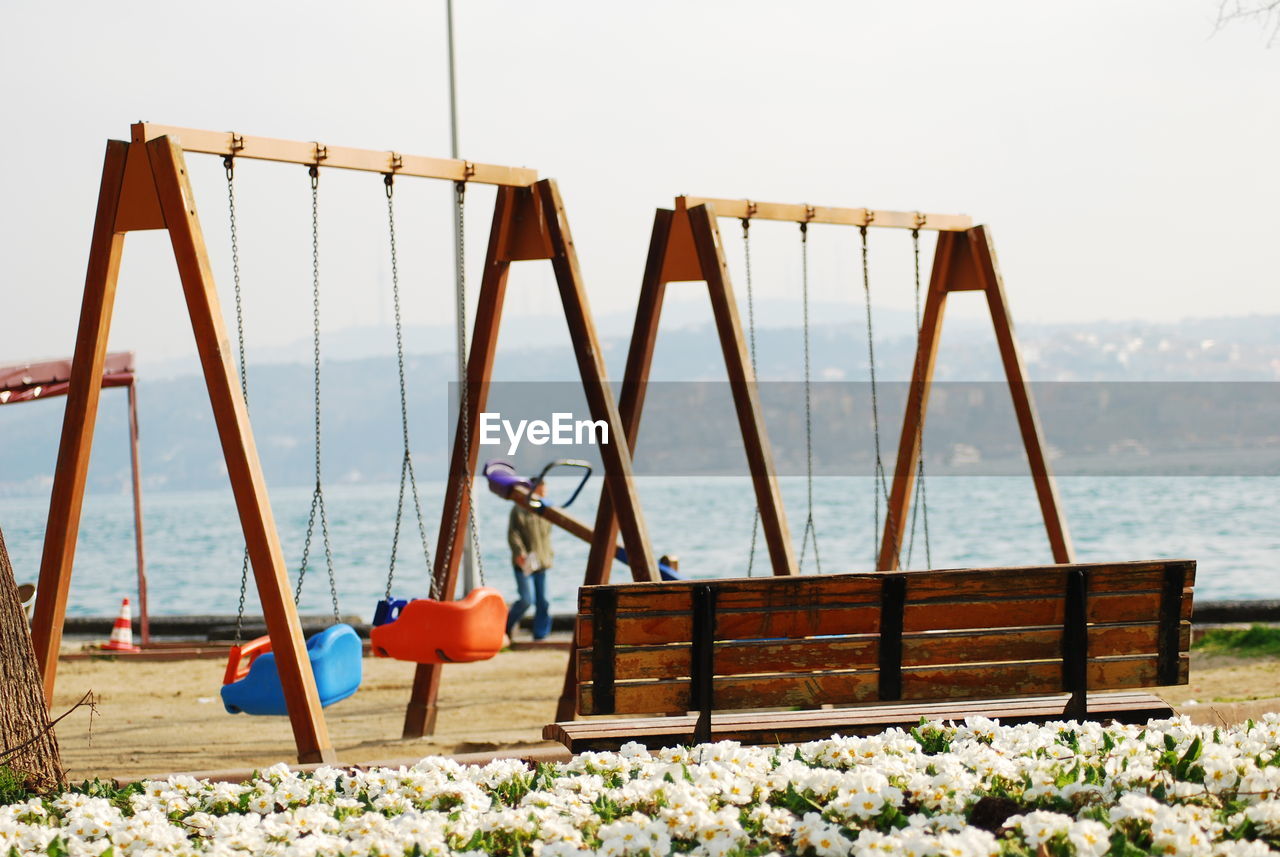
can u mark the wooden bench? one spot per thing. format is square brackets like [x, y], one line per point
[1019, 644]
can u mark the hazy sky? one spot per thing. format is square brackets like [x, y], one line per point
[1123, 153]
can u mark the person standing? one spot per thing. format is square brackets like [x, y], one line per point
[529, 535]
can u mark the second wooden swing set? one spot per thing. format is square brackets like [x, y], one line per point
[686, 246]
[145, 186]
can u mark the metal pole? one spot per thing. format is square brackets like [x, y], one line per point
[144, 622]
[468, 561]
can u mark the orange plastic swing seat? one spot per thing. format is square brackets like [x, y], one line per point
[427, 631]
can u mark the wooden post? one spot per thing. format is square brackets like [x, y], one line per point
[528, 224]
[81, 414]
[145, 186]
[455, 514]
[966, 261]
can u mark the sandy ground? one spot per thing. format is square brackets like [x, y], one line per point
[167, 716]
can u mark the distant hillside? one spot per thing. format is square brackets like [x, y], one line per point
[361, 405]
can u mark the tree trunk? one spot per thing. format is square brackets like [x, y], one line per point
[27, 743]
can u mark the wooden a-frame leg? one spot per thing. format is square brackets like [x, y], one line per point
[966, 261]
[699, 256]
[904, 471]
[746, 396]
[420, 714]
[81, 414]
[616, 454]
[243, 467]
[504, 238]
[1028, 422]
[644, 335]
[707, 264]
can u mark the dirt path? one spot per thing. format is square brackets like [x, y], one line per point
[162, 717]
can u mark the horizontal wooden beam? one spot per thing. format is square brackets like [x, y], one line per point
[367, 160]
[801, 213]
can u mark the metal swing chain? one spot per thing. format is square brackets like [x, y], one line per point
[406, 464]
[751, 339]
[879, 485]
[317, 496]
[921, 504]
[229, 165]
[460, 195]
[809, 528]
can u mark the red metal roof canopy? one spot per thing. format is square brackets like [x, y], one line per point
[25, 382]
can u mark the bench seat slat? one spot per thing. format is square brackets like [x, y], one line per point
[793, 726]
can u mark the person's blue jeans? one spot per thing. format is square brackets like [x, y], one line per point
[532, 589]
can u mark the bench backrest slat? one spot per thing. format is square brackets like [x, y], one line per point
[980, 633]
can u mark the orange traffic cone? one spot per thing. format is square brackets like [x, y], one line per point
[122, 632]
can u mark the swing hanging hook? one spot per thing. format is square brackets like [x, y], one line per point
[321, 152]
[868, 217]
[468, 170]
[228, 161]
[920, 220]
[388, 179]
[752, 209]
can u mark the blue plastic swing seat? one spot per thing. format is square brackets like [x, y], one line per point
[335, 654]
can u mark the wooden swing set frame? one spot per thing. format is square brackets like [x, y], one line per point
[145, 186]
[686, 246]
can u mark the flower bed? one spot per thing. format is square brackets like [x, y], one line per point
[971, 789]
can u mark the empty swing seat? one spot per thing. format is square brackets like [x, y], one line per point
[252, 681]
[426, 631]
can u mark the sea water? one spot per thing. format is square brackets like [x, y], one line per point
[194, 547]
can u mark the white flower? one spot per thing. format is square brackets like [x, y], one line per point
[1089, 838]
[1039, 827]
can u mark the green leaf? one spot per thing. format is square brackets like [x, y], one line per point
[1182, 767]
[1194, 751]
